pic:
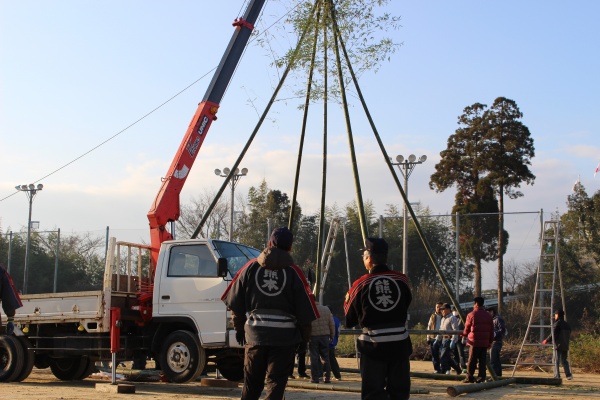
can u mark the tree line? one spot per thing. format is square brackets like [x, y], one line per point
[486, 158]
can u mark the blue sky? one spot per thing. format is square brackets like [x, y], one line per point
[73, 74]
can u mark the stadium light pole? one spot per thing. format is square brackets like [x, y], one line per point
[406, 167]
[237, 174]
[29, 190]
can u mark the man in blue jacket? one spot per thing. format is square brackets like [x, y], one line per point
[499, 332]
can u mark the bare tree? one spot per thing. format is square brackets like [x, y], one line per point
[216, 226]
[515, 274]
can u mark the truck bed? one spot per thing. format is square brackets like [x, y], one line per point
[88, 309]
[91, 309]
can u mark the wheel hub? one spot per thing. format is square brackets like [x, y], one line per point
[178, 357]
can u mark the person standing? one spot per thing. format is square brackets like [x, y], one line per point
[322, 333]
[562, 337]
[335, 367]
[459, 350]
[499, 332]
[272, 308]
[435, 340]
[9, 295]
[479, 330]
[378, 302]
[302, 348]
[449, 323]
[301, 357]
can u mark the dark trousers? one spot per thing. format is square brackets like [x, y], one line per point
[562, 357]
[319, 350]
[495, 357]
[446, 360]
[477, 356]
[274, 362]
[301, 354]
[459, 354]
[302, 358]
[434, 346]
[335, 367]
[386, 378]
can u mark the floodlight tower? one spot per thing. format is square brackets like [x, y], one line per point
[237, 174]
[30, 190]
[406, 167]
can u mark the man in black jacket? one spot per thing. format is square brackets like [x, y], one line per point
[10, 299]
[378, 302]
[272, 309]
[562, 337]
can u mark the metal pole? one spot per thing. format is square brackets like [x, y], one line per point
[231, 215]
[56, 261]
[457, 255]
[405, 223]
[269, 229]
[406, 167]
[541, 223]
[541, 279]
[106, 243]
[30, 195]
[10, 235]
[172, 229]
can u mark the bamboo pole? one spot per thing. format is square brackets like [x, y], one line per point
[454, 391]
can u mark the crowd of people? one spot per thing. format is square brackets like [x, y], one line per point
[483, 329]
[277, 318]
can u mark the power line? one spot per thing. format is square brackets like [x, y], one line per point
[139, 119]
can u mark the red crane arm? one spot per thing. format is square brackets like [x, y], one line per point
[165, 207]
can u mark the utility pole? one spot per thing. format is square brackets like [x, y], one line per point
[406, 167]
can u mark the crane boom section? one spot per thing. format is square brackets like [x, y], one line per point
[165, 207]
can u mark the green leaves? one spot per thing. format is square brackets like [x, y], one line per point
[488, 156]
[362, 29]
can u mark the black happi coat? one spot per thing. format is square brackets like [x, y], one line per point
[378, 302]
[271, 301]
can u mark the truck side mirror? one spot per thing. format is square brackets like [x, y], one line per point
[222, 269]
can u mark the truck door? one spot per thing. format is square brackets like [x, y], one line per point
[190, 287]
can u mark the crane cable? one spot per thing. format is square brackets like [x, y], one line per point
[144, 116]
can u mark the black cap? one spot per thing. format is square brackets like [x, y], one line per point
[479, 300]
[281, 238]
[376, 246]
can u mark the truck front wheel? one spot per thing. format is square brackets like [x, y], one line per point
[182, 358]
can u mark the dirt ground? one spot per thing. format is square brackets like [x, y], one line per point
[41, 384]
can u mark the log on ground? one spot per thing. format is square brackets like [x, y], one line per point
[476, 387]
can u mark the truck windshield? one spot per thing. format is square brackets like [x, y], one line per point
[237, 255]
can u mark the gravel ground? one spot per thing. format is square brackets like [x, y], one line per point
[41, 384]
